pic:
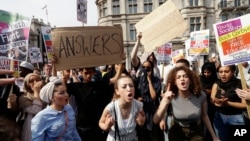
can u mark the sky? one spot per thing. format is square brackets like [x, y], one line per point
[61, 13]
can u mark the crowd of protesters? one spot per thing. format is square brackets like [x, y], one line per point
[111, 103]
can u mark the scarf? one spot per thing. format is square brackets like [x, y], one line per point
[47, 91]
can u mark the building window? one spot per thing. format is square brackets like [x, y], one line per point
[223, 3]
[132, 32]
[193, 2]
[224, 17]
[116, 7]
[237, 2]
[132, 6]
[195, 24]
[238, 14]
[148, 5]
[103, 9]
[161, 2]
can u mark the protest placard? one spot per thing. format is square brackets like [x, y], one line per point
[176, 55]
[161, 25]
[199, 42]
[77, 47]
[232, 38]
[35, 55]
[14, 36]
[164, 53]
[47, 39]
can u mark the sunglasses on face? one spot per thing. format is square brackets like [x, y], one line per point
[146, 67]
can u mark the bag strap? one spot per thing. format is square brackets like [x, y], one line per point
[116, 126]
[66, 125]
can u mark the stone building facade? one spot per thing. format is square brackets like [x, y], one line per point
[199, 14]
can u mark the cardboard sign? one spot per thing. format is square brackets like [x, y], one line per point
[78, 47]
[161, 25]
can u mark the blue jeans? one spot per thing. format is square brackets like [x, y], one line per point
[222, 122]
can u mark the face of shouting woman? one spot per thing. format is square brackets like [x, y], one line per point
[182, 80]
[60, 96]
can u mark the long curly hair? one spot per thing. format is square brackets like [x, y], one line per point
[195, 85]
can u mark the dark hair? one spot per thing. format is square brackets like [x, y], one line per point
[210, 67]
[195, 85]
[9, 130]
[231, 67]
[184, 61]
[153, 55]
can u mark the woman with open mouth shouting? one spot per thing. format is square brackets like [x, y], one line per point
[189, 106]
[57, 121]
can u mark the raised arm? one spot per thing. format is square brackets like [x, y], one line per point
[134, 59]
[166, 99]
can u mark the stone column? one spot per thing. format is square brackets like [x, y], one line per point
[201, 2]
[187, 4]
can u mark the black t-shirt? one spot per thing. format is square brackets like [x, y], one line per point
[90, 99]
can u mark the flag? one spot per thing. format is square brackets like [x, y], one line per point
[82, 11]
[45, 6]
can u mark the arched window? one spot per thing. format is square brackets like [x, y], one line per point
[238, 14]
[224, 17]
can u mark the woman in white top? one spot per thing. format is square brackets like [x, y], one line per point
[124, 110]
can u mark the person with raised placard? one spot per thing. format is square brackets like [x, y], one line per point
[189, 106]
[136, 62]
[229, 106]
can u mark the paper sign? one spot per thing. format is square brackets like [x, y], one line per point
[164, 53]
[232, 37]
[199, 43]
[161, 25]
[46, 32]
[78, 47]
[14, 36]
[35, 55]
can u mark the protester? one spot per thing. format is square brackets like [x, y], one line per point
[9, 93]
[111, 74]
[29, 104]
[189, 106]
[182, 62]
[91, 98]
[137, 63]
[47, 72]
[37, 71]
[57, 120]
[229, 106]
[121, 115]
[208, 77]
[25, 69]
[148, 91]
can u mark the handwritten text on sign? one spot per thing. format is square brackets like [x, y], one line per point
[78, 47]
